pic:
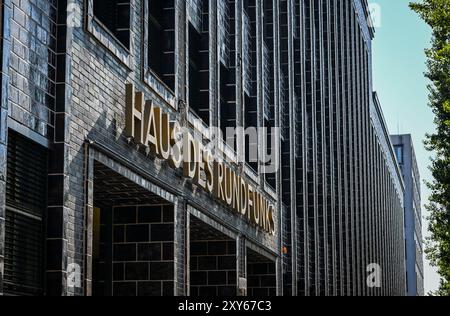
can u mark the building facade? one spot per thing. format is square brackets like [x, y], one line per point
[119, 174]
[404, 149]
[340, 183]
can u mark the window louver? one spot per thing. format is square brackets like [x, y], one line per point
[25, 205]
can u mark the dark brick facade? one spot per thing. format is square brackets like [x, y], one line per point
[143, 251]
[63, 77]
[5, 45]
[213, 268]
[63, 83]
[32, 64]
[262, 280]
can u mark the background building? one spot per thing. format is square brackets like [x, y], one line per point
[342, 189]
[406, 158]
[88, 209]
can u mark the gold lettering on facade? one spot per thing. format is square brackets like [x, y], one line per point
[228, 187]
[236, 193]
[244, 197]
[163, 131]
[149, 126]
[189, 156]
[208, 161]
[250, 204]
[176, 155]
[218, 176]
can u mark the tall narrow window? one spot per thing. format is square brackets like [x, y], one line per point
[269, 87]
[115, 16]
[227, 103]
[26, 189]
[250, 85]
[399, 153]
[199, 64]
[227, 75]
[161, 40]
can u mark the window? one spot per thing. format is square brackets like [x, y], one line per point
[26, 191]
[161, 40]
[399, 153]
[250, 85]
[251, 142]
[115, 16]
[199, 65]
[227, 102]
[269, 85]
[227, 75]
[407, 283]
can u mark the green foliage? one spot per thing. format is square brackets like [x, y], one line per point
[436, 13]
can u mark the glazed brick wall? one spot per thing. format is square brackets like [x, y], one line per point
[4, 79]
[261, 279]
[87, 95]
[97, 105]
[143, 251]
[32, 64]
[28, 86]
[84, 99]
[213, 268]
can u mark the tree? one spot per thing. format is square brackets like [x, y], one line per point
[436, 13]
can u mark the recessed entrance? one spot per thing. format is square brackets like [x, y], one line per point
[133, 238]
[212, 261]
[261, 274]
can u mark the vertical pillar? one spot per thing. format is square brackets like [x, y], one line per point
[214, 62]
[180, 247]
[89, 219]
[279, 276]
[181, 63]
[239, 82]
[57, 211]
[292, 131]
[278, 121]
[5, 44]
[241, 265]
[181, 241]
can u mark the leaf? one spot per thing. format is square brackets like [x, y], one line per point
[436, 13]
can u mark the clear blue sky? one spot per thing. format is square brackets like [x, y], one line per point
[398, 67]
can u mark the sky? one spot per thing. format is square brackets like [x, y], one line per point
[398, 68]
